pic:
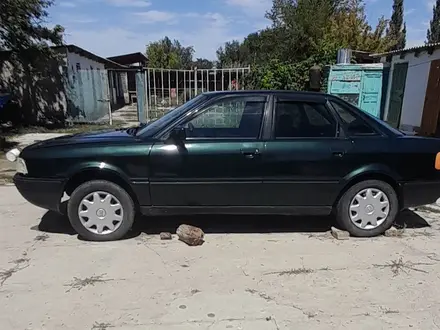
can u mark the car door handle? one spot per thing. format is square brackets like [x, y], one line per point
[250, 153]
[338, 154]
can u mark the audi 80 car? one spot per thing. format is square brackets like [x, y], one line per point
[236, 152]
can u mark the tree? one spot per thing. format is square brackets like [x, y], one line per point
[349, 29]
[397, 28]
[169, 54]
[22, 27]
[433, 34]
[231, 55]
[33, 77]
[304, 33]
[203, 63]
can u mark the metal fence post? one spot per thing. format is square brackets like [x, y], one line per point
[169, 88]
[163, 88]
[184, 86]
[155, 90]
[195, 81]
[147, 94]
[140, 92]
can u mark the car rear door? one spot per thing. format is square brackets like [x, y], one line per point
[220, 161]
[304, 156]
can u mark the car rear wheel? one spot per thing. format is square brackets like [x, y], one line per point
[101, 211]
[368, 208]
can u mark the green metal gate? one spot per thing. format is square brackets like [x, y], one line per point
[396, 94]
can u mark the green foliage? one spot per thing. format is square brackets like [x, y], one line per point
[22, 26]
[35, 81]
[304, 33]
[169, 54]
[232, 55]
[203, 63]
[397, 28]
[433, 34]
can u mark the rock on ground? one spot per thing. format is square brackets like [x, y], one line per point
[191, 235]
[165, 236]
[340, 234]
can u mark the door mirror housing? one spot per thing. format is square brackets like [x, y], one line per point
[178, 134]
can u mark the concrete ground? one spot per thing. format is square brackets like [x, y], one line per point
[251, 273]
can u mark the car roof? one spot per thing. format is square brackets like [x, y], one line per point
[287, 92]
[312, 96]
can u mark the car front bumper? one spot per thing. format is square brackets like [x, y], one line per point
[44, 193]
[420, 193]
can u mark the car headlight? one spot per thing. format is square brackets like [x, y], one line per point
[21, 166]
[12, 155]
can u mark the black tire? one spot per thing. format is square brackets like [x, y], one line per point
[343, 215]
[105, 186]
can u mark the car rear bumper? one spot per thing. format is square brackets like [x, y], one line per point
[420, 193]
[44, 193]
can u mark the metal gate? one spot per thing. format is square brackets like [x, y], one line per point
[87, 95]
[396, 95]
[166, 89]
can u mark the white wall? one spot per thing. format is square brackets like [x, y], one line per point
[415, 87]
[84, 62]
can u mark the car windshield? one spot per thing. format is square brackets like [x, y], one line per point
[154, 126]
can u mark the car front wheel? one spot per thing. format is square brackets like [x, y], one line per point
[101, 211]
[368, 208]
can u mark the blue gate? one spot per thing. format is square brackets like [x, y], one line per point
[358, 84]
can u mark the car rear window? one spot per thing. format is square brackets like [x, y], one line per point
[354, 125]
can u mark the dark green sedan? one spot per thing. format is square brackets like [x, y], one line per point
[238, 152]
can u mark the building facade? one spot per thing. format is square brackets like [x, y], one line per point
[412, 101]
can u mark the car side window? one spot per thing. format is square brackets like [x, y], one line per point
[303, 120]
[230, 118]
[354, 125]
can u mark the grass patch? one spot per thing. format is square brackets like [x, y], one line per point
[6, 274]
[79, 283]
[101, 326]
[398, 266]
[262, 295]
[41, 238]
[297, 271]
[6, 178]
[427, 208]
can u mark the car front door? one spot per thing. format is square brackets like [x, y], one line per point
[219, 162]
[304, 157]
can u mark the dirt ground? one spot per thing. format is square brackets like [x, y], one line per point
[251, 273]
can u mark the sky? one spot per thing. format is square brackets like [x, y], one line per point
[114, 27]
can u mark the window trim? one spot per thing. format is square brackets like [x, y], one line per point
[294, 99]
[191, 114]
[343, 125]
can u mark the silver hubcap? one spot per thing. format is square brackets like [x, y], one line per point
[100, 213]
[369, 208]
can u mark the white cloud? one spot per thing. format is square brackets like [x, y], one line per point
[415, 43]
[252, 7]
[409, 12]
[129, 3]
[102, 41]
[430, 4]
[213, 19]
[205, 32]
[67, 4]
[155, 16]
[77, 19]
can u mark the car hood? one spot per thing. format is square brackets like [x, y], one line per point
[107, 136]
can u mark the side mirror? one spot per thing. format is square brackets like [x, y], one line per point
[178, 134]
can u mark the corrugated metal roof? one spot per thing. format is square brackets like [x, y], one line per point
[409, 50]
